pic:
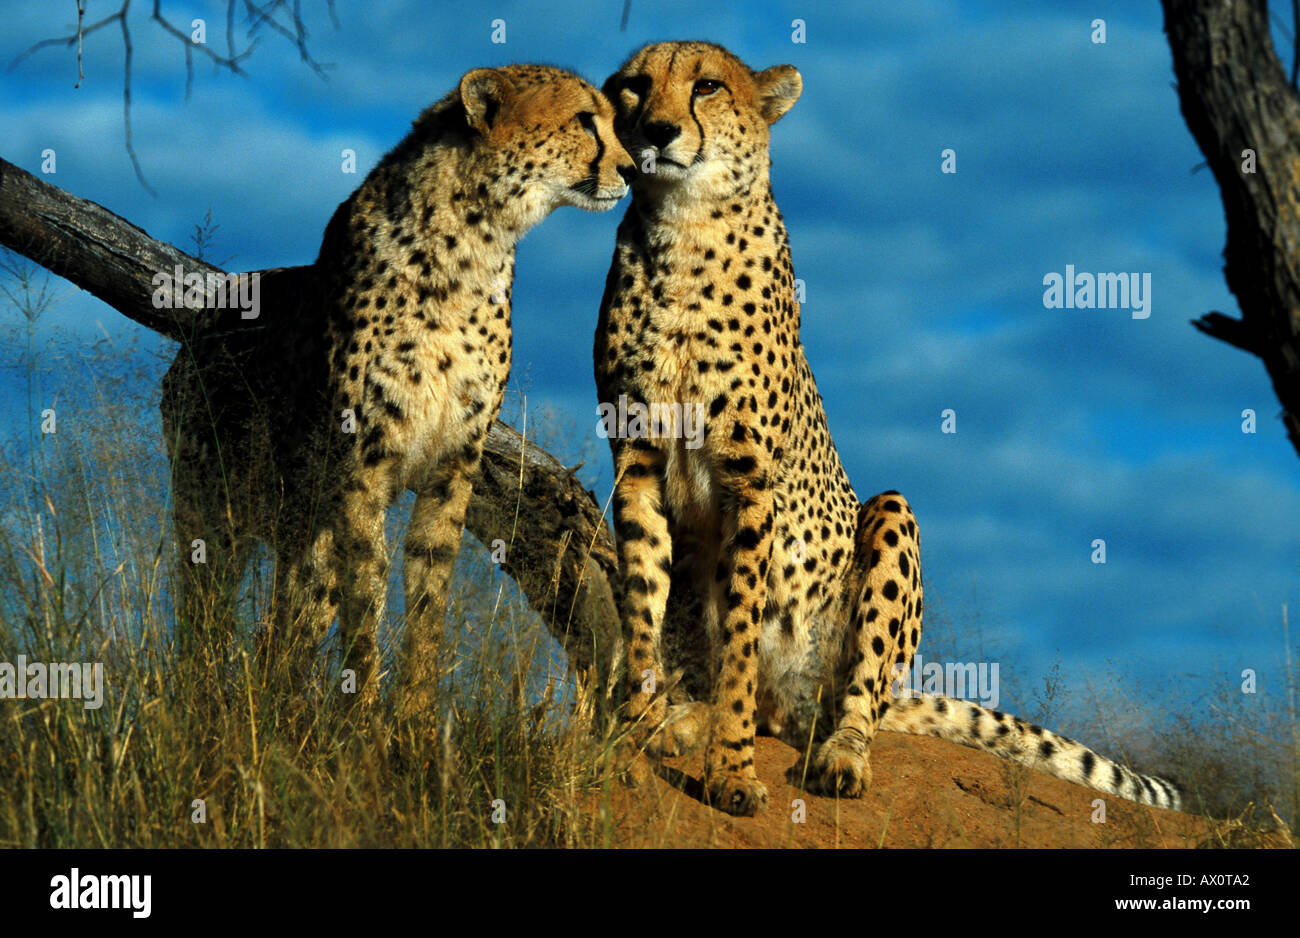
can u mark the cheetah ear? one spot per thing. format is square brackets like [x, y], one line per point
[779, 88]
[482, 92]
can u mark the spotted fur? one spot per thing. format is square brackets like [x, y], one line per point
[380, 367]
[750, 567]
[1010, 738]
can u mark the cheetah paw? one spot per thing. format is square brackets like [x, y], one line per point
[737, 794]
[686, 728]
[840, 768]
[635, 769]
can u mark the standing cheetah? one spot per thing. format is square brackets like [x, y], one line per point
[380, 367]
[748, 560]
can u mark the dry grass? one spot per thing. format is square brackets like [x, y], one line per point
[85, 544]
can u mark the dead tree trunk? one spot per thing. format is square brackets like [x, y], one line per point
[1245, 117]
[561, 552]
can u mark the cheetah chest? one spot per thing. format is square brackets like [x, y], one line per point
[432, 391]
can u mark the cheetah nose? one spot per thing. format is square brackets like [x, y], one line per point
[661, 133]
[628, 173]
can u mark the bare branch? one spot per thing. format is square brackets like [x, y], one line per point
[1233, 331]
[92, 247]
[69, 41]
[265, 15]
[230, 27]
[126, 100]
[230, 62]
[81, 15]
[258, 16]
[1245, 116]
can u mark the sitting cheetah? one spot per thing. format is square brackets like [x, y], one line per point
[747, 558]
[380, 367]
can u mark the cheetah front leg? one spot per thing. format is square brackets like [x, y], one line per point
[432, 542]
[732, 781]
[882, 633]
[645, 558]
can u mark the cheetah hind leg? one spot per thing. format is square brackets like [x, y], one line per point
[206, 607]
[306, 601]
[883, 632]
[208, 589]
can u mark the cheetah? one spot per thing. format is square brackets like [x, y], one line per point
[382, 368]
[748, 562]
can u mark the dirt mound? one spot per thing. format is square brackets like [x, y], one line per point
[925, 793]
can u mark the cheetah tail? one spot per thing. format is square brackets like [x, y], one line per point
[960, 721]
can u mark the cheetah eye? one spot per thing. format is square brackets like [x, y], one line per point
[706, 86]
[588, 122]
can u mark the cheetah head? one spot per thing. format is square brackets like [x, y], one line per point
[695, 118]
[547, 138]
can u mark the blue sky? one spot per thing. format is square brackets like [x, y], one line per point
[924, 290]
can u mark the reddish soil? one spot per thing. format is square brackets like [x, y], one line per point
[925, 793]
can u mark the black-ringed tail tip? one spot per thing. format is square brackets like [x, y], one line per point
[1008, 737]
